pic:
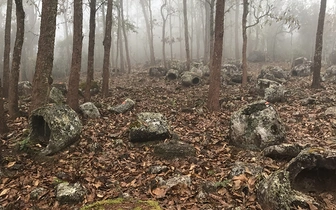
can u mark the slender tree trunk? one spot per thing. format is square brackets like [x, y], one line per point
[120, 41]
[73, 86]
[67, 37]
[164, 19]
[244, 28]
[90, 64]
[149, 26]
[237, 55]
[3, 124]
[212, 9]
[206, 34]
[107, 49]
[186, 33]
[216, 59]
[318, 46]
[171, 35]
[6, 69]
[45, 54]
[128, 60]
[13, 97]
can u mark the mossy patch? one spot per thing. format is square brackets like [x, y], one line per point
[120, 203]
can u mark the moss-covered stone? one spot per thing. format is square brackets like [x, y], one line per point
[122, 204]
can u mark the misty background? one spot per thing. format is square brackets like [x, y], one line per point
[288, 33]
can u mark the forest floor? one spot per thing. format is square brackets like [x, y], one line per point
[119, 170]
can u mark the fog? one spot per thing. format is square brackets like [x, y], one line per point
[288, 34]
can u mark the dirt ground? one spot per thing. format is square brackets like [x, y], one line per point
[116, 170]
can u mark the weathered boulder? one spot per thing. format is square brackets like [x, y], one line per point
[67, 193]
[123, 107]
[271, 90]
[231, 74]
[256, 56]
[310, 173]
[157, 71]
[330, 75]
[61, 86]
[56, 96]
[256, 126]
[163, 186]
[54, 127]
[206, 70]
[25, 88]
[174, 149]
[301, 67]
[274, 73]
[176, 64]
[149, 126]
[283, 151]
[242, 168]
[190, 78]
[89, 110]
[197, 71]
[275, 93]
[172, 74]
[330, 111]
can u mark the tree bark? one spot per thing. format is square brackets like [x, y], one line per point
[13, 96]
[186, 33]
[244, 28]
[73, 86]
[107, 49]
[3, 124]
[216, 59]
[212, 9]
[237, 31]
[316, 83]
[92, 37]
[164, 20]
[128, 59]
[149, 26]
[45, 54]
[6, 62]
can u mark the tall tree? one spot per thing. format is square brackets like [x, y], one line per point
[107, 49]
[149, 26]
[45, 54]
[237, 56]
[318, 46]
[92, 37]
[244, 28]
[3, 124]
[216, 59]
[6, 69]
[73, 86]
[13, 97]
[164, 20]
[128, 59]
[186, 33]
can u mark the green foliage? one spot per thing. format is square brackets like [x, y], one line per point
[223, 183]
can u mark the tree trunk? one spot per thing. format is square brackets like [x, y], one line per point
[244, 28]
[128, 60]
[206, 34]
[216, 59]
[171, 41]
[3, 124]
[90, 64]
[45, 55]
[164, 19]
[212, 9]
[186, 33]
[6, 69]
[73, 86]
[318, 47]
[67, 37]
[107, 49]
[149, 26]
[237, 31]
[120, 40]
[13, 96]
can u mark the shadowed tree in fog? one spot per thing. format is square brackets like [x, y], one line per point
[237, 55]
[6, 62]
[13, 96]
[316, 68]
[3, 124]
[186, 33]
[73, 86]
[149, 26]
[107, 49]
[216, 59]
[128, 59]
[45, 54]
[164, 20]
[90, 62]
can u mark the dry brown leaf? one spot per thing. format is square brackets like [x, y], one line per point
[159, 192]
[11, 164]
[4, 192]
